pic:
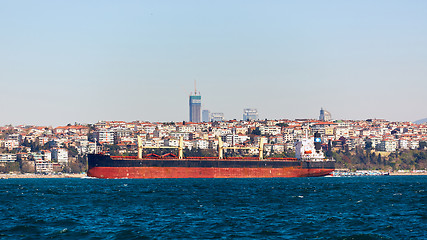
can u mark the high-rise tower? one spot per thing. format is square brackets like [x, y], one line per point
[195, 105]
[250, 114]
[325, 115]
[206, 116]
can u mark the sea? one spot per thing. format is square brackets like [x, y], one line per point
[371, 207]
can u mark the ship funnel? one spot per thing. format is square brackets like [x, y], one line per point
[317, 141]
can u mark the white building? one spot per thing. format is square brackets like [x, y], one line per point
[414, 144]
[234, 139]
[403, 143]
[186, 128]
[288, 137]
[171, 142]
[177, 135]
[374, 141]
[11, 144]
[6, 157]
[105, 136]
[201, 144]
[387, 145]
[43, 166]
[60, 155]
[341, 132]
[271, 130]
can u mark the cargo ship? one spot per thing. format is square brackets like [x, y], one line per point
[309, 161]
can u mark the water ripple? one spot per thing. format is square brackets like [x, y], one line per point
[299, 208]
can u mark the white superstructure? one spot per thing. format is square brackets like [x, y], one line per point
[305, 150]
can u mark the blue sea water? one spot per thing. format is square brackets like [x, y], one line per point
[386, 207]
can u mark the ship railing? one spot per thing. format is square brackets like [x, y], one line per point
[288, 159]
[308, 159]
[127, 157]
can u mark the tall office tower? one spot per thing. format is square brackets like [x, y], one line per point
[195, 106]
[250, 114]
[325, 115]
[206, 116]
[217, 117]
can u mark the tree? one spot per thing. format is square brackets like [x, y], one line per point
[282, 124]
[368, 145]
[72, 151]
[379, 160]
[256, 131]
[422, 145]
[328, 152]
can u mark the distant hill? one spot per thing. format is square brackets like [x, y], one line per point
[421, 121]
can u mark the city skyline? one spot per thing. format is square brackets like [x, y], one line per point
[66, 62]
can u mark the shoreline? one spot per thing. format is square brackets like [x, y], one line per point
[408, 174]
[32, 175]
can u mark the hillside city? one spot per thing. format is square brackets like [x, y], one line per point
[43, 149]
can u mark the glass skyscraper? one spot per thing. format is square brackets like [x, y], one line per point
[206, 116]
[195, 107]
[325, 115]
[250, 114]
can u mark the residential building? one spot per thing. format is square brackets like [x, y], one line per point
[201, 144]
[387, 145]
[60, 155]
[11, 144]
[7, 157]
[105, 136]
[270, 130]
[341, 132]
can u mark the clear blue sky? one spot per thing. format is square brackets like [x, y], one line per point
[83, 61]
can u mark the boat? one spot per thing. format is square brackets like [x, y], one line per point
[308, 162]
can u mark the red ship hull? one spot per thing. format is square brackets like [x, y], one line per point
[102, 166]
[173, 172]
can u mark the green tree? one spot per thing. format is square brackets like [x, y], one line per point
[72, 151]
[282, 124]
[368, 145]
[422, 146]
[256, 131]
[379, 160]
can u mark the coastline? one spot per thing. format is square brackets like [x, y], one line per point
[408, 174]
[32, 175]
